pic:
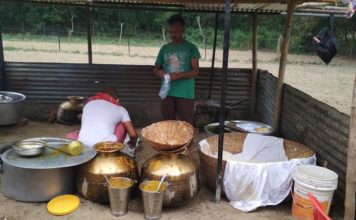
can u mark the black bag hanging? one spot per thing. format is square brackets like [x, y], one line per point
[325, 45]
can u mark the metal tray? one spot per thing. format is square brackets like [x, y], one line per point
[49, 159]
[249, 127]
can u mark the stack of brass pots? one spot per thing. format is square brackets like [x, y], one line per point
[110, 162]
[69, 111]
[182, 176]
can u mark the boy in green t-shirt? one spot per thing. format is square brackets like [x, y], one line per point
[179, 59]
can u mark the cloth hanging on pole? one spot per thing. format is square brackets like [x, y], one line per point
[324, 44]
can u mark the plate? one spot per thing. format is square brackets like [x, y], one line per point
[49, 159]
[63, 205]
[249, 127]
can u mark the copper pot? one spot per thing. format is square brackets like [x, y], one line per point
[68, 111]
[110, 162]
[183, 176]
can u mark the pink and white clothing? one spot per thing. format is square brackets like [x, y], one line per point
[101, 120]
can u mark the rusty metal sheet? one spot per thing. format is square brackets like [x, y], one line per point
[53, 82]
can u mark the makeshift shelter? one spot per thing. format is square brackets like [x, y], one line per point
[258, 84]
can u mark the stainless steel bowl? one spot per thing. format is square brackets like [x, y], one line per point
[29, 148]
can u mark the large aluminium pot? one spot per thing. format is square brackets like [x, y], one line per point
[110, 162]
[182, 176]
[11, 107]
[39, 179]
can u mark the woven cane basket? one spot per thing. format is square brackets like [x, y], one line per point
[233, 143]
[168, 135]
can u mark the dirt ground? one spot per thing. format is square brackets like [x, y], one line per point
[331, 83]
[202, 207]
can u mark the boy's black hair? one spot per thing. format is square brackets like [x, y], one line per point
[177, 18]
[111, 90]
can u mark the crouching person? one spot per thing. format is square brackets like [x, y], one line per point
[104, 119]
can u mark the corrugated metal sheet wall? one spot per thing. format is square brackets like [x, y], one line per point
[319, 126]
[49, 82]
[266, 93]
[309, 121]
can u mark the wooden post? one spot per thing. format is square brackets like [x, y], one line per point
[23, 31]
[128, 44]
[254, 63]
[44, 30]
[59, 37]
[89, 35]
[164, 35]
[121, 26]
[351, 164]
[282, 64]
[351, 40]
[212, 70]
[202, 34]
[2, 65]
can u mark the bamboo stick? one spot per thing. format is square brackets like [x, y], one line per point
[282, 64]
[351, 164]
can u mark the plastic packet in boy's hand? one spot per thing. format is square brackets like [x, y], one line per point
[165, 87]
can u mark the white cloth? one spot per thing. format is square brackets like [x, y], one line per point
[252, 184]
[99, 121]
[259, 148]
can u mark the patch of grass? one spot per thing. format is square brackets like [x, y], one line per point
[10, 48]
[75, 51]
[117, 54]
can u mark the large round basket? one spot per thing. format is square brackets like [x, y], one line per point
[233, 143]
[168, 135]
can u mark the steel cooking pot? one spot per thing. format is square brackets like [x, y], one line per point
[207, 111]
[11, 107]
[39, 179]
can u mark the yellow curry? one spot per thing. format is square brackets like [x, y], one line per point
[152, 186]
[120, 183]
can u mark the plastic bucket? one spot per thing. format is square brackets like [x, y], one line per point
[318, 181]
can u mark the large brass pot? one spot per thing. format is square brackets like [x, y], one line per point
[110, 162]
[68, 111]
[183, 176]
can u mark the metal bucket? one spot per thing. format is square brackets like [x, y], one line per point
[152, 201]
[11, 107]
[119, 197]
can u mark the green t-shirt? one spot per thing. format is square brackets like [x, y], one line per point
[175, 59]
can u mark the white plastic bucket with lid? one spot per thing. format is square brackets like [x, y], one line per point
[318, 181]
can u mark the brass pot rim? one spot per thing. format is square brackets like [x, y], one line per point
[75, 98]
[108, 147]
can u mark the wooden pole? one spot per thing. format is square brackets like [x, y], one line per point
[212, 69]
[351, 164]
[282, 64]
[59, 37]
[227, 25]
[121, 26]
[128, 44]
[254, 63]
[2, 65]
[164, 35]
[89, 34]
[351, 40]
